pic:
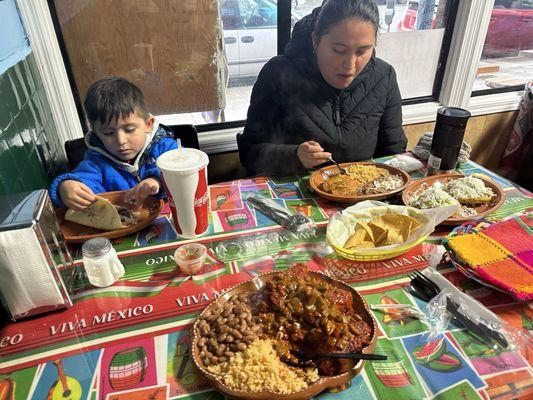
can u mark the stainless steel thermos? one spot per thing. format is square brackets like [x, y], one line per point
[447, 139]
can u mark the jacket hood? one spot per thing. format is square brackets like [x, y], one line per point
[300, 49]
[158, 131]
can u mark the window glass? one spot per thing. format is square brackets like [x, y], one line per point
[410, 38]
[250, 40]
[507, 58]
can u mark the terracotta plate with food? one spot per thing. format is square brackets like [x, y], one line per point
[476, 195]
[249, 342]
[364, 181]
[108, 217]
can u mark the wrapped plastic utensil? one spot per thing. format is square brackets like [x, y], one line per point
[290, 220]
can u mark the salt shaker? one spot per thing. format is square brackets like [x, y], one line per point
[101, 262]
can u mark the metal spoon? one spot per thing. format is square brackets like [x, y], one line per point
[342, 170]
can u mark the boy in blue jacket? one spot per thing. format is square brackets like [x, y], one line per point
[123, 145]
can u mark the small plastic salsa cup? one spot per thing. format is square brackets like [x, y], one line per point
[190, 257]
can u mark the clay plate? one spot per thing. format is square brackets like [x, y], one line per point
[482, 209]
[318, 177]
[76, 233]
[359, 306]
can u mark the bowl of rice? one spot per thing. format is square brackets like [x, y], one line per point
[249, 366]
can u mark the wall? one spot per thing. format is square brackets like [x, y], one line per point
[487, 134]
[29, 148]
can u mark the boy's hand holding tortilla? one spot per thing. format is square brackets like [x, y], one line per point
[136, 195]
[312, 154]
[76, 195]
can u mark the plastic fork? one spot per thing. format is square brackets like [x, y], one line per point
[425, 289]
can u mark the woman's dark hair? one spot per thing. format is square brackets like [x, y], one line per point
[334, 11]
[110, 98]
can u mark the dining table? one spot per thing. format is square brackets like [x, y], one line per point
[131, 340]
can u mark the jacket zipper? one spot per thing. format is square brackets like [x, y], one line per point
[337, 117]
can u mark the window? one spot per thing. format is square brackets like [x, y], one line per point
[250, 40]
[411, 37]
[507, 58]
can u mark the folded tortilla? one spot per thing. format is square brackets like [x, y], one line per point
[102, 214]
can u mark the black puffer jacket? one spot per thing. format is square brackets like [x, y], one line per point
[291, 103]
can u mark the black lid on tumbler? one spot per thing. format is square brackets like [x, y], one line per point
[453, 116]
[450, 126]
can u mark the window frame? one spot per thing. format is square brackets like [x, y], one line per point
[463, 55]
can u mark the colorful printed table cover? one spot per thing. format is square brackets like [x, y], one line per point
[131, 340]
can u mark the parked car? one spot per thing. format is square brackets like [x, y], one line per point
[510, 28]
[250, 34]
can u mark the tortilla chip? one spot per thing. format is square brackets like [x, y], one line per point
[357, 237]
[100, 215]
[378, 230]
[369, 234]
[393, 237]
[365, 244]
[404, 224]
[380, 239]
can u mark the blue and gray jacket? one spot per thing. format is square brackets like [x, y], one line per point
[102, 172]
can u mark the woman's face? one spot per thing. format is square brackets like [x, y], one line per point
[344, 51]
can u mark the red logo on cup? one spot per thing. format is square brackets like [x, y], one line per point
[201, 203]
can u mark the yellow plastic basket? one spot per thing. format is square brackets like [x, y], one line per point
[375, 254]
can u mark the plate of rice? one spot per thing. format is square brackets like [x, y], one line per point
[244, 342]
[363, 181]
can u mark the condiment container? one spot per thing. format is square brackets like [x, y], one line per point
[101, 262]
[190, 257]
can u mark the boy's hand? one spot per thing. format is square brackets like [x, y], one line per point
[141, 191]
[76, 195]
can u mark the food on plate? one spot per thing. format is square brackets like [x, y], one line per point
[463, 192]
[431, 197]
[313, 316]
[382, 230]
[227, 330]
[190, 257]
[361, 179]
[382, 185]
[102, 214]
[259, 368]
[250, 341]
[469, 190]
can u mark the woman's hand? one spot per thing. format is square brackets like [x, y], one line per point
[141, 191]
[312, 154]
[76, 195]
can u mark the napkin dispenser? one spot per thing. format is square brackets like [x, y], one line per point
[36, 269]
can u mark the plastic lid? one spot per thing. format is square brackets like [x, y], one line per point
[96, 247]
[182, 159]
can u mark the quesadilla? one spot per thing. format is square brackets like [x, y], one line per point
[102, 214]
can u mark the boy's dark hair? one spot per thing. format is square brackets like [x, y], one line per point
[334, 11]
[111, 98]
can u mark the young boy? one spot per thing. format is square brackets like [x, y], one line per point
[123, 145]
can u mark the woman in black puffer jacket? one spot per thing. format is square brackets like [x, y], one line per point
[328, 95]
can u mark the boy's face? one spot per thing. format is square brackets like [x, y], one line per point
[125, 137]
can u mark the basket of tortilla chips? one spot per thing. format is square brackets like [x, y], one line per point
[373, 230]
